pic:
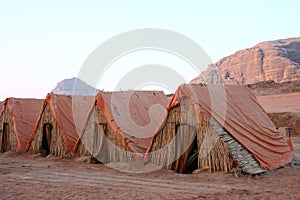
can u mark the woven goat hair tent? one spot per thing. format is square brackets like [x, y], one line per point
[59, 124]
[17, 121]
[121, 125]
[218, 128]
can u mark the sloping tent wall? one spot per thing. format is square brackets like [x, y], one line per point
[1, 106]
[183, 136]
[121, 125]
[243, 132]
[18, 118]
[66, 124]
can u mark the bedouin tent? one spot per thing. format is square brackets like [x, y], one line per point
[218, 128]
[17, 121]
[121, 125]
[59, 124]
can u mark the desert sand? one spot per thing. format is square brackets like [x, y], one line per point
[280, 103]
[26, 176]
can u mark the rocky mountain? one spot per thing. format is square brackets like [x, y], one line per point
[277, 60]
[74, 86]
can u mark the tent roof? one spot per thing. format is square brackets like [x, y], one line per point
[238, 111]
[23, 113]
[70, 114]
[134, 115]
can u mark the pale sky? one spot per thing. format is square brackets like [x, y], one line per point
[43, 42]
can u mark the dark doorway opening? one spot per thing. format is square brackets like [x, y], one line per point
[186, 149]
[5, 138]
[99, 147]
[46, 139]
[192, 161]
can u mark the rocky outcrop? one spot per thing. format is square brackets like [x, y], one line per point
[287, 119]
[74, 86]
[267, 88]
[277, 60]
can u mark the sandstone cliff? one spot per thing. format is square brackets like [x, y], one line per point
[277, 60]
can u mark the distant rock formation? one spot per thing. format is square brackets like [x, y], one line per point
[267, 88]
[74, 86]
[277, 60]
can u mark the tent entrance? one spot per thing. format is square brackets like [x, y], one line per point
[5, 138]
[192, 161]
[46, 139]
[186, 149]
[99, 144]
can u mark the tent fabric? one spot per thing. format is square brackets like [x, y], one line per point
[238, 111]
[134, 115]
[23, 114]
[70, 113]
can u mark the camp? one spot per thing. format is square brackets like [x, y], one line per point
[17, 121]
[58, 127]
[120, 126]
[218, 128]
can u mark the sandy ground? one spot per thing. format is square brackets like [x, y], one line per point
[25, 176]
[280, 103]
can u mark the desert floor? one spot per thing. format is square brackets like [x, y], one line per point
[25, 176]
